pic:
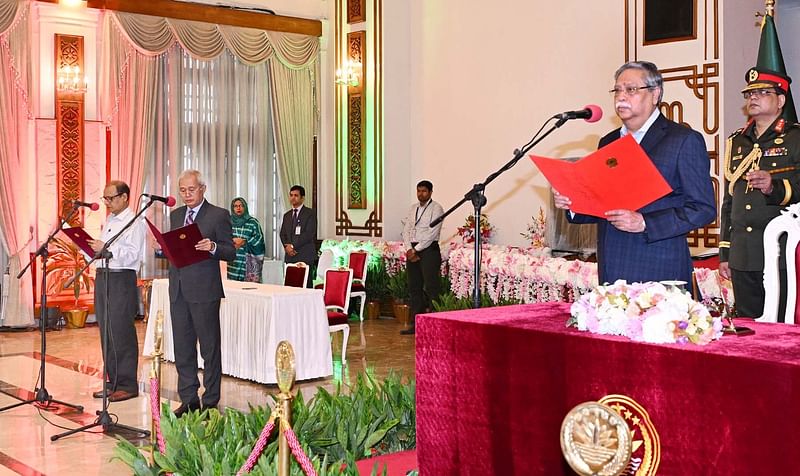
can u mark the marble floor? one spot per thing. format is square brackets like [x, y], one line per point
[72, 372]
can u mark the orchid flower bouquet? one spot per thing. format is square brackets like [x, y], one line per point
[535, 232]
[645, 312]
[467, 231]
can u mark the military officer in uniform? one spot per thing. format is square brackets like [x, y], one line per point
[762, 176]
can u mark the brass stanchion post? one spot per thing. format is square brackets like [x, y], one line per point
[284, 370]
[155, 372]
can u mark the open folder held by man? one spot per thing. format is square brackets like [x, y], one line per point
[619, 175]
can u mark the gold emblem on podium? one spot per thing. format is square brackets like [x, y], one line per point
[595, 440]
[646, 444]
[182, 236]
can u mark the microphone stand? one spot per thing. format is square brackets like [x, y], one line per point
[42, 396]
[478, 199]
[104, 419]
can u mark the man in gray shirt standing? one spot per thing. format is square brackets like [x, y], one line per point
[423, 258]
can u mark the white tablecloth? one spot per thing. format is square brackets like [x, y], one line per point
[254, 318]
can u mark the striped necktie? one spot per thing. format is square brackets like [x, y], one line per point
[189, 217]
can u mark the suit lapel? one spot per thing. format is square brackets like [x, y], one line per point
[202, 212]
[654, 135]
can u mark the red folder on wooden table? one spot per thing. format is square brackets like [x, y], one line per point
[178, 244]
[617, 176]
[79, 236]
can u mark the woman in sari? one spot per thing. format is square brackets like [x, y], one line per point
[248, 238]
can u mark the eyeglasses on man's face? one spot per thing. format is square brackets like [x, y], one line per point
[628, 90]
[758, 93]
[112, 197]
[189, 190]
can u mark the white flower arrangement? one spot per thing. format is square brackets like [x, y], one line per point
[645, 312]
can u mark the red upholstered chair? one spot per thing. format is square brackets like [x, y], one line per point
[295, 275]
[358, 263]
[337, 298]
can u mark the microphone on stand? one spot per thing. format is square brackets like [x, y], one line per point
[168, 200]
[93, 206]
[590, 113]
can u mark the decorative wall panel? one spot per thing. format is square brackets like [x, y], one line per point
[356, 11]
[359, 122]
[69, 129]
[690, 65]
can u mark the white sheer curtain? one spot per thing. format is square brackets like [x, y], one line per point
[209, 107]
[215, 116]
[15, 164]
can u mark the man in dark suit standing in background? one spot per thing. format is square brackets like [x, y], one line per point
[299, 231]
[195, 292]
[649, 244]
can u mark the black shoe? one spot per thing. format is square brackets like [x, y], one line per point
[98, 394]
[185, 408]
[121, 396]
[409, 331]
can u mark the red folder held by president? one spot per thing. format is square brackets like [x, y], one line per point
[178, 244]
[617, 176]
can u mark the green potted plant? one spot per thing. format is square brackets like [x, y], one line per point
[398, 287]
[63, 263]
[377, 288]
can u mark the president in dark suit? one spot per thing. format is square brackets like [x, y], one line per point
[195, 292]
[299, 230]
[649, 244]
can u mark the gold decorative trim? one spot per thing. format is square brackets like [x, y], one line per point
[69, 130]
[787, 194]
[356, 11]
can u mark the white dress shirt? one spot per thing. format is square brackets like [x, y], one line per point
[639, 135]
[417, 228]
[128, 250]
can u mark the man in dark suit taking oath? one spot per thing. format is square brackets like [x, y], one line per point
[299, 231]
[195, 292]
[649, 244]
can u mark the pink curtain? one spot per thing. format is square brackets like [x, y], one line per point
[16, 218]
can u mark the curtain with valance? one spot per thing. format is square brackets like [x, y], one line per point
[137, 45]
[15, 166]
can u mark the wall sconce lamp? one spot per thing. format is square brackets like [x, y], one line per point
[70, 80]
[349, 73]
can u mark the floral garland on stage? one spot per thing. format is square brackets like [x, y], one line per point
[527, 275]
[645, 312]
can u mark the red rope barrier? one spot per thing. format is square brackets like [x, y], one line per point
[155, 410]
[297, 451]
[261, 443]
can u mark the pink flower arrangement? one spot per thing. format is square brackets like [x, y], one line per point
[535, 232]
[645, 312]
[467, 231]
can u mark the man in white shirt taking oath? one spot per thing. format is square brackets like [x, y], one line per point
[121, 351]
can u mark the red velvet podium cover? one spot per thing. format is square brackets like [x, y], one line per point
[493, 386]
